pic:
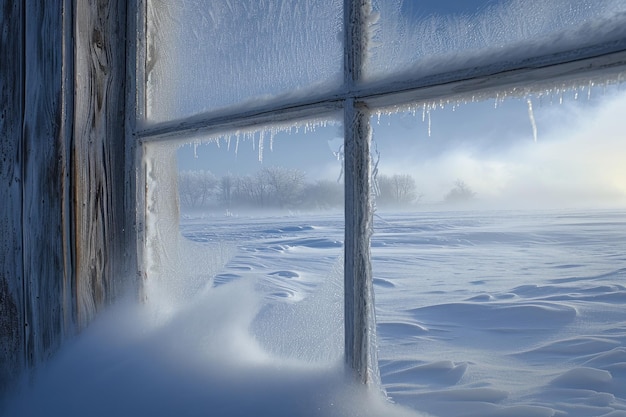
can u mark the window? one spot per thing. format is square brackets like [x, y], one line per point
[222, 68]
[494, 253]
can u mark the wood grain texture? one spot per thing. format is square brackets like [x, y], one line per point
[66, 219]
[45, 144]
[99, 155]
[11, 155]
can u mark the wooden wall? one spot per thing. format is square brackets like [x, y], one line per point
[45, 142]
[99, 154]
[12, 320]
[65, 223]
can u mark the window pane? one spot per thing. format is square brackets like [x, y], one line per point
[279, 204]
[269, 220]
[434, 36]
[499, 273]
[207, 55]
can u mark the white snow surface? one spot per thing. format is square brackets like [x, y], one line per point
[480, 313]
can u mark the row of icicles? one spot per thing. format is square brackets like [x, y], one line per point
[258, 137]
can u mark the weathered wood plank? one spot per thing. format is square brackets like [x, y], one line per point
[67, 215]
[99, 155]
[11, 155]
[45, 146]
[135, 91]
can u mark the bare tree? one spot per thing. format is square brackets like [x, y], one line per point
[461, 192]
[227, 189]
[285, 185]
[252, 190]
[323, 194]
[397, 190]
[196, 187]
[270, 187]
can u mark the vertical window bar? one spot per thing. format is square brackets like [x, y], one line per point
[359, 317]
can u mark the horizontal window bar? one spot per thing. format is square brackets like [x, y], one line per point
[532, 74]
[215, 123]
[602, 60]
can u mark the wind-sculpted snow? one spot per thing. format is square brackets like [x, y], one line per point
[512, 314]
[507, 314]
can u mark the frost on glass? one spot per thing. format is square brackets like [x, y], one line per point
[428, 37]
[207, 55]
[176, 269]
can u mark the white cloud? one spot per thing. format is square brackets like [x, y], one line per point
[579, 159]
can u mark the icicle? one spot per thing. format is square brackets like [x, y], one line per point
[374, 163]
[195, 150]
[237, 145]
[340, 157]
[531, 116]
[429, 124]
[261, 140]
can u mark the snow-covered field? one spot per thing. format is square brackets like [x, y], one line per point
[479, 314]
[503, 313]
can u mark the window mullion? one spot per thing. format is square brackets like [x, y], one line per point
[359, 318]
[229, 121]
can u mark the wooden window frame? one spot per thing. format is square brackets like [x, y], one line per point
[358, 99]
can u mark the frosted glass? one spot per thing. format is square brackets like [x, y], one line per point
[432, 36]
[207, 55]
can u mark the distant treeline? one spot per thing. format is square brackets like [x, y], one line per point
[284, 188]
